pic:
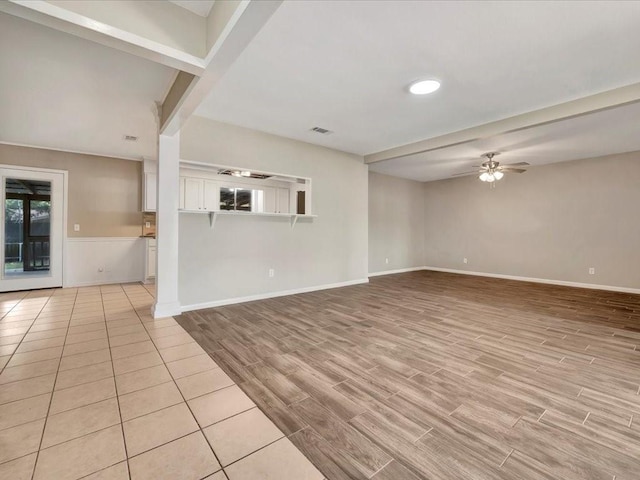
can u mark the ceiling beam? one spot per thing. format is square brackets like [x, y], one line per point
[236, 23]
[575, 108]
[220, 39]
[179, 89]
[74, 23]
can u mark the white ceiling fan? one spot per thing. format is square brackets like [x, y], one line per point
[491, 170]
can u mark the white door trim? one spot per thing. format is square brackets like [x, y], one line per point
[65, 208]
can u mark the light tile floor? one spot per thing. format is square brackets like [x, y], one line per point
[91, 386]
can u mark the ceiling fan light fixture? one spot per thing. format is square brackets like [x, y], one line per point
[491, 170]
[424, 87]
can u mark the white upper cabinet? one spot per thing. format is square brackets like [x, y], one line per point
[193, 193]
[283, 200]
[211, 196]
[199, 194]
[149, 189]
[270, 200]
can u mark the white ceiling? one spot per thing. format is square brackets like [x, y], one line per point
[344, 66]
[199, 7]
[62, 92]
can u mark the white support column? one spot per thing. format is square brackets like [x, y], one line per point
[167, 219]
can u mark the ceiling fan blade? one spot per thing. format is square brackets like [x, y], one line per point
[512, 170]
[465, 173]
[518, 164]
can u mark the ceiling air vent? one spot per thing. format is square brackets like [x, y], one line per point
[131, 138]
[321, 130]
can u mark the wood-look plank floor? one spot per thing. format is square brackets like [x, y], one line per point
[430, 375]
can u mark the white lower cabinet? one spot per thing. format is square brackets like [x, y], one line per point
[150, 261]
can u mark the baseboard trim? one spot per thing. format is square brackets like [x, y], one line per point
[101, 282]
[563, 283]
[264, 296]
[162, 310]
[397, 270]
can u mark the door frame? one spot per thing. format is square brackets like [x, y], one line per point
[65, 208]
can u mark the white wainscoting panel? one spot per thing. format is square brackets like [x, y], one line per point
[100, 260]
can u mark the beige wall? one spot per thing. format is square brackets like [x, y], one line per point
[552, 222]
[104, 193]
[233, 259]
[396, 223]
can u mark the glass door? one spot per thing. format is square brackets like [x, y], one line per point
[32, 229]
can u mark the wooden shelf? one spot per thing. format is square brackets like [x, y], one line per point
[215, 214]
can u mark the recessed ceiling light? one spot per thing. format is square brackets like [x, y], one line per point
[423, 87]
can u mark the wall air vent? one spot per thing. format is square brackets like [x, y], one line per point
[321, 130]
[131, 138]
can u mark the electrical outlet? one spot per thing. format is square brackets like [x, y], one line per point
[464, 260]
[386, 260]
[147, 224]
[76, 227]
[592, 271]
[272, 273]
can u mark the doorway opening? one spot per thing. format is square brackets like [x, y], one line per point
[27, 246]
[32, 227]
